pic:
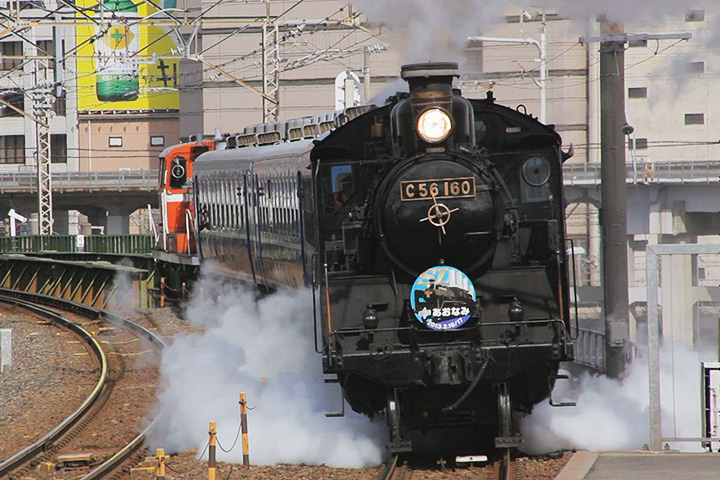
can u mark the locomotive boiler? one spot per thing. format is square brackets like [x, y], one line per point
[431, 232]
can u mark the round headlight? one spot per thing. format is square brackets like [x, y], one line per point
[434, 125]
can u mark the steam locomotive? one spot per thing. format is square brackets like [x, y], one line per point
[431, 231]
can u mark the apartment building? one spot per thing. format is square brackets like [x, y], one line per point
[22, 58]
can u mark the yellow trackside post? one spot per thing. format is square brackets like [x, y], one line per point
[160, 470]
[162, 291]
[212, 464]
[243, 425]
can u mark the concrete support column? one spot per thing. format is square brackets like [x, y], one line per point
[118, 222]
[631, 263]
[61, 222]
[594, 245]
[97, 217]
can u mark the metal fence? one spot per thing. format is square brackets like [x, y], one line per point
[120, 180]
[590, 349]
[579, 174]
[127, 244]
[646, 172]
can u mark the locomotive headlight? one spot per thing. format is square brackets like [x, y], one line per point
[434, 125]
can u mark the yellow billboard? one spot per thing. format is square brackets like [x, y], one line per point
[125, 60]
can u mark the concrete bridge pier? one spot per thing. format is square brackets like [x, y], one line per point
[61, 222]
[118, 221]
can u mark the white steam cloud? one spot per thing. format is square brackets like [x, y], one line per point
[613, 415]
[263, 348]
[431, 30]
[126, 294]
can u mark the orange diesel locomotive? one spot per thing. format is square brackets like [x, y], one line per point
[176, 249]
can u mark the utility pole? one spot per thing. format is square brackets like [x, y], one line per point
[366, 74]
[613, 216]
[270, 67]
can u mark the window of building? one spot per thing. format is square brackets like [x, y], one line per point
[474, 57]
[12, 149]
[694, 119]
[46, 48]
[60, 106]
[638, 143]
[115, 141]
[637, 92]
[637, 43]
[697, 67]
[157, 140]
[58, 148]
[10, 55]
[16, 99]
[695, 16]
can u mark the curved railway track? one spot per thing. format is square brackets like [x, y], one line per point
[68, 428]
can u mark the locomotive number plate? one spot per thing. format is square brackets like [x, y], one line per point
[411, 190]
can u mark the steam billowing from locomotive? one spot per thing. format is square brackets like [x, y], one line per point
[260, 348]
[431, 232]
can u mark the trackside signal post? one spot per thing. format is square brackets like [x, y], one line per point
[613, 216]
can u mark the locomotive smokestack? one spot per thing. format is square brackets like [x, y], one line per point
[430, 85]
[433, 117]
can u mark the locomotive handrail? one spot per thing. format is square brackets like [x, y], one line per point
[575, 295]
[188, 223]
[313, 266]
[361, 330]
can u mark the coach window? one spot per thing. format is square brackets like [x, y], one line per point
[215, 213]
[224, 202]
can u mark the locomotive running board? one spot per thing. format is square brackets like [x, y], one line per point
[513, 441]
[399, 446]
[341, 413]
[561, 404]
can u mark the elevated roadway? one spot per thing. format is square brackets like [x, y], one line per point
[652, 185]
[107, 198]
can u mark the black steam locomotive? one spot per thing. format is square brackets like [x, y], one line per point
[431, 230]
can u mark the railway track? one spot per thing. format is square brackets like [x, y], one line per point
[45, 447]
[505, 468]
[394, 469]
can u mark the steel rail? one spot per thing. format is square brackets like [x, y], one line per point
[123, 454]
[47, 440]
[390, 469]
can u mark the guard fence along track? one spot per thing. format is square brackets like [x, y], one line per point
[90, 406]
